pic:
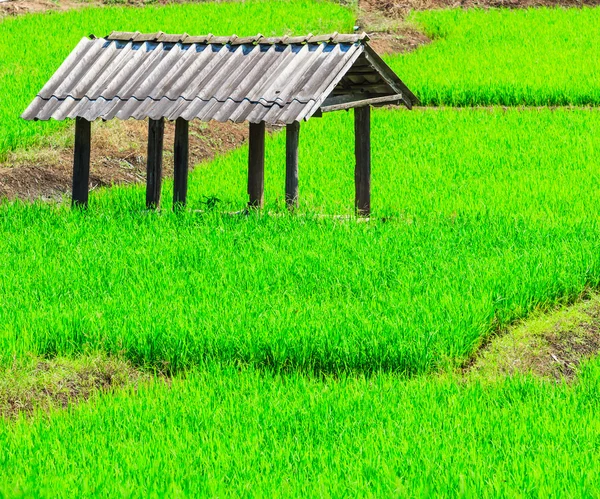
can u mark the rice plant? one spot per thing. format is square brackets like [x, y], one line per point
[478, 219]
[532, 57]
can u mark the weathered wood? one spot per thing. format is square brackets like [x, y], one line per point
[292, 137]
[365, 69]
[181, 163]
[388, 99]
[256, 164]
[362, 152]
[81, 163]
[376, 89]
[156, 132]
[390, 77]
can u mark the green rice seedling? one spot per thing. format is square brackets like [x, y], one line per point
[246, 433]
[478, 219]
[533, 57]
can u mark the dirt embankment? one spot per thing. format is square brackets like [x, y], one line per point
[18, 7]
[38, 384]
[118, 156]
[550, 345]
[399, 8]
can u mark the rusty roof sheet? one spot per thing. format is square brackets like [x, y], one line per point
[134, 75]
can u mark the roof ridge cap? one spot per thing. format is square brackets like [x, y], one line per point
[259, 38]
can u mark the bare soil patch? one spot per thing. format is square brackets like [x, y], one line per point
[389, 32]
[18, 7]
[43, 384]
[118, 157]
[399, 8]
[551, 346]
[398, 41]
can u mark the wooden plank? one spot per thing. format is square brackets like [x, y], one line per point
[362, 152]
[156, 132]
[181, 153]
[292, 137]
[365, 69]
[378, 89]
[390, 77]
[388, 99]
[256, 165]
[81, 163]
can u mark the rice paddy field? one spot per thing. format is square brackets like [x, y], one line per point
[309, 354]
[532, 57]
[223, 432]
[465, 219]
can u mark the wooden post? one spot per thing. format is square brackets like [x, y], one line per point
[256, 165]
[292, 137]
[156, 131]
[181, 160]
[81, 163]
[362, 151]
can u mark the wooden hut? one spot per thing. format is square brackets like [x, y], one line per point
[278, 81]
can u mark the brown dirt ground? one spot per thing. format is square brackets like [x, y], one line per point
[568, 349]
[398, 41]
[399, 8]
[43, 384]
[18, 7]
[550, 346]
[118, 156]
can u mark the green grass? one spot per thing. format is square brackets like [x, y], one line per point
[221, 432]
[487, 219]
[32, 47]
[480, 218]
[533, 57]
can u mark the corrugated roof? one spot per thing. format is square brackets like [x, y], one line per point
[276, 80]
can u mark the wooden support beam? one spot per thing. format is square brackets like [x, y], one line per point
[353, 101]
[181, 153]
[156, 132]
[292, 136]
[81, 163]
[390, 77]
[256, 165]
[362, 151]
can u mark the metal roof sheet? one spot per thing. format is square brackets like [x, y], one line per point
[276, 80]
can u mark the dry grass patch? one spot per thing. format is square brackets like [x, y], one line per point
[400, 8]
[551, 346]
[20, 7]
[43, 384]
